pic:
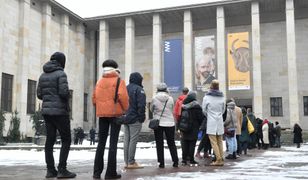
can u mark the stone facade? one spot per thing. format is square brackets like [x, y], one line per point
[32, 30]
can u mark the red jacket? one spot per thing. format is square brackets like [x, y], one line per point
[178, 107]
[103, 96]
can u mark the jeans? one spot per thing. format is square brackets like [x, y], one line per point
[277, 141]
[62, 124]
[131, 134]
[104, 124]
[159, 139]
[232, 144]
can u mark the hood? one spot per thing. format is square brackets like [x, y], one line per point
[136, 78]
[52, 66]
[231, 105]
[162, 96]
[191, 105]
[191, 96]
[59, 57]
[214, 92]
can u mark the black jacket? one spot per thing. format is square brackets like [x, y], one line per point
[137, 99]
[53, 89]
[196, 117]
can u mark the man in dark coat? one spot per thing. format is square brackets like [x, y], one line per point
[92, 136]
[53, 90]
[135, 116]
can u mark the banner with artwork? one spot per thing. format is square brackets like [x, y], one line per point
[239, 61]
[173, 64]
[205, 62]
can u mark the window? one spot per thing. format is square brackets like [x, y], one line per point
[85, 107]
[71, 104]
[305, 105]
[6, 92]
[31, 97]
[276, 106]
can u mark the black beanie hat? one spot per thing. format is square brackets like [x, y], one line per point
[59, 57]
[110, 63]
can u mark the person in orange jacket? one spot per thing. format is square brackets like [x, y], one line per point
[107, 110]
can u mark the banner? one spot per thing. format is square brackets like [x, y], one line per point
[173, 64]
[239, 61]
[205, 62]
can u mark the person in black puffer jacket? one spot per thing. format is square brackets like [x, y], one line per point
[189, 138]
[135, 116]
[53, 90]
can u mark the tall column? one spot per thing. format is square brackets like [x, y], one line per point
[292, 70]
[46, 35]
[221, 49]
[188, 40]
[1, 45]
[103, 46]
[64, 37]
[157, 51]
[21, 83]
[81, 77]
[129, 46]
[256, 59]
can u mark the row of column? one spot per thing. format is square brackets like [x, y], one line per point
[221, 53]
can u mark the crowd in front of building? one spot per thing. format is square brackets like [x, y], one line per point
[216, 119]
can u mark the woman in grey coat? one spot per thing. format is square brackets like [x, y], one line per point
[166, 124]
[213, 107]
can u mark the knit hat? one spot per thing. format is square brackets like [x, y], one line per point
[162, 87]
[59, 57]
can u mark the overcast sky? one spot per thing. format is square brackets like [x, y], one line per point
[91, 8]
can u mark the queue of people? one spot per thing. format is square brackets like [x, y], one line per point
[217, 118]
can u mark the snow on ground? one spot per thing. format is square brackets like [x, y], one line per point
[287, 163]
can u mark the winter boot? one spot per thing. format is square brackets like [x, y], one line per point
[64, 173]
[184, 163]
[51, 173]
[234, 155]
[230, 156]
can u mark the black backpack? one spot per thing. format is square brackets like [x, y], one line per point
[185, 124]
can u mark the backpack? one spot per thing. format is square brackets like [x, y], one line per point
[185, 124]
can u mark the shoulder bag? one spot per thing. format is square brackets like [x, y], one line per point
[154, 123]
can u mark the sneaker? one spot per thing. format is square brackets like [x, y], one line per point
[117, 176]
[51, 173]
[64, 173]
[134, 166]
[193, 163]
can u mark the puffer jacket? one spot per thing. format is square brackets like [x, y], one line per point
[53, 90]
[196, 117]
[137, 99]
[104, 93]
[157, 105]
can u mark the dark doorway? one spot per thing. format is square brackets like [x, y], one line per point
[247, 103]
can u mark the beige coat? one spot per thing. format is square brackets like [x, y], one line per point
[239, 115]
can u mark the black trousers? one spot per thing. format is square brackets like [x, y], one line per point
[205, 144]
[188, 149]
[62, 124]
[104, 124]
[159, 139]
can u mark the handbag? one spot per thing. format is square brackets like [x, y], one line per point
[250, 127]
[120, 119]
[154, 123]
